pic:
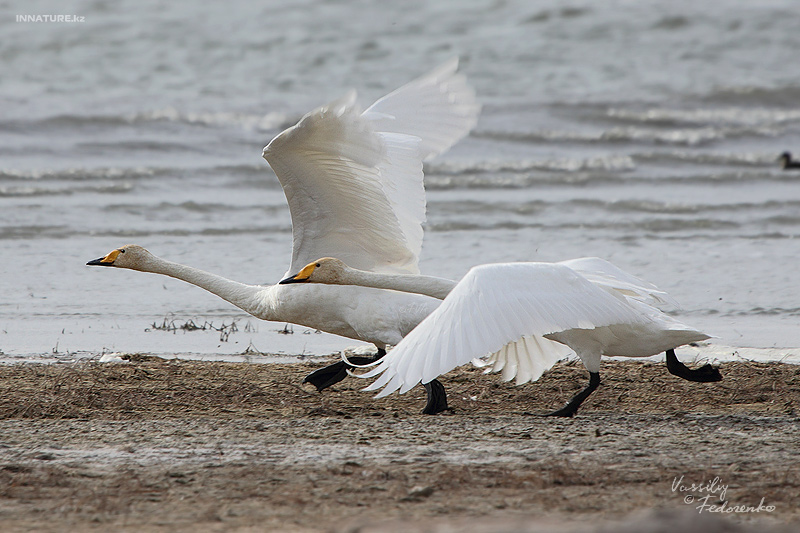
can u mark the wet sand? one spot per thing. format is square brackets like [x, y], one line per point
[155, 445]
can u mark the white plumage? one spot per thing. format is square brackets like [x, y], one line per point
[520, 318]
[525, 315]
[354, 185]
[354, 180]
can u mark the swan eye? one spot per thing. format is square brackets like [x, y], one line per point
[317, 265]
[122, 250]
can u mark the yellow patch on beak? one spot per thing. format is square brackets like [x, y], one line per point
[111, 257]
[306, 272]
[301, 276]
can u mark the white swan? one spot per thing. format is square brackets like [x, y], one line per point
[354, 184]
[521, 317]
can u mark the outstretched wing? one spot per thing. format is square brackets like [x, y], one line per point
[354, 181]
[504, 310]
[612, 278]
[440, 108]
[334, 169]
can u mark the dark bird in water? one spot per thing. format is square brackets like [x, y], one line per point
[786, 161]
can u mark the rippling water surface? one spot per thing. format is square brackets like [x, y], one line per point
[642, 132]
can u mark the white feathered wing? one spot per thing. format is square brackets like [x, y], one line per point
[614, 279]
[354, 181]
[504, 310]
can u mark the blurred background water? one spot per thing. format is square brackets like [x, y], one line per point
[642, 132]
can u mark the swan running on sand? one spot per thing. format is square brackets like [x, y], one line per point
[354, 184]
[521, 318]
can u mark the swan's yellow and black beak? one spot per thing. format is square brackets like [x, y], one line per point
[300, 277]
[105, 261]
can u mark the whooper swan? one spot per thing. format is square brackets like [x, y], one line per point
[520, 318]
[354, 184]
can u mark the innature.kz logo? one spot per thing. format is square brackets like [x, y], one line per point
[50, 18]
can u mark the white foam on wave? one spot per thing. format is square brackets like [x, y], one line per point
[745, 116]
[250, 121]
[611, 162]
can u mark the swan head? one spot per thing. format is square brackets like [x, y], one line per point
[784, 159]
[326, 270]
[129, 256]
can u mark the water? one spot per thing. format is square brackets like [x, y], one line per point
[642, 132]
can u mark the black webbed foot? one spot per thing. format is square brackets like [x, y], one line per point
[437, 398]
[703, 374]
[324, 377]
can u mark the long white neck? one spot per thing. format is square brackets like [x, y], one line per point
[243, 296]
[427, 285]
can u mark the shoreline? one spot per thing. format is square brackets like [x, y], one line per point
[701, 352]
[164, 445]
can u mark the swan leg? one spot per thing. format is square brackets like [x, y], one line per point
[324, 377]
[437, 398]
[572, 407]
[703, 374]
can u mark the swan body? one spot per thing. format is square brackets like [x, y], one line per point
[519, 318]
[370, 315]
[354, 184]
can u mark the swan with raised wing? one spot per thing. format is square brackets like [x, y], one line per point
[521, 318]
[354, 184]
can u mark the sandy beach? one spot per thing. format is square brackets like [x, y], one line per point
[159, 445]
[644, 133]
